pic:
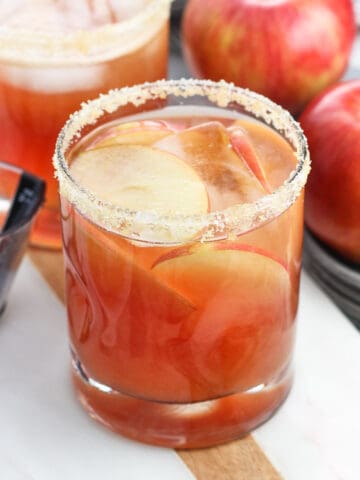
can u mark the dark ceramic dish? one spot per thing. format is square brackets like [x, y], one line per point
[340, 279]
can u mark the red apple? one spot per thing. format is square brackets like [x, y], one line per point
[288, 50]
[332, 125]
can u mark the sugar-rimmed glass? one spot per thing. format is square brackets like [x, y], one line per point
[46, 72]
[212, 379]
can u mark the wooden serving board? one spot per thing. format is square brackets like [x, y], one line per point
[239, 460]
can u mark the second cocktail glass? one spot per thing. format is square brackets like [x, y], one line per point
[182, 228]
[55, 55]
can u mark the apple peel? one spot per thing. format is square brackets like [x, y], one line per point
[242, 146]
[202, 272]
[189, 250]
[144, 132]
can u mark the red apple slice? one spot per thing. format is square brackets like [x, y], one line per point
[199, 272]
[145, 132]
[141, 178]
[242, 331]
[207, 149]
[242, 145]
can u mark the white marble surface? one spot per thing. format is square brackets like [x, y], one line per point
[45, 435]
[316, 435]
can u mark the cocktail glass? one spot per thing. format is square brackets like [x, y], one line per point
[55, 55]
[181, 325]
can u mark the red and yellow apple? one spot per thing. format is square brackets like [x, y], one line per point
[288, 50]
[332, 207]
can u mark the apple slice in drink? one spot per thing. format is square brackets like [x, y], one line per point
[207, 148]
[242, 331]
[141, 178]
[227, 267]
[130, 317]
[145, 132]
[144, 179]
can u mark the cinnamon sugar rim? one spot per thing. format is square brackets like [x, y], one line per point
[147, 225]
[83, 47]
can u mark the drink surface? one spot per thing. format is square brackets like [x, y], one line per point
[191, 322]
[227, 160]
[65, 16]
[36, 97]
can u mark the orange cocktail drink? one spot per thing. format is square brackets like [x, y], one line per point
[55, 55]
[182, 228]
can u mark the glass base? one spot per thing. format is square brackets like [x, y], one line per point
[46, 230]
[181, 425]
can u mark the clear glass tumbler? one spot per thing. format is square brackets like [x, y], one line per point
[182, 324]
[55, 55]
